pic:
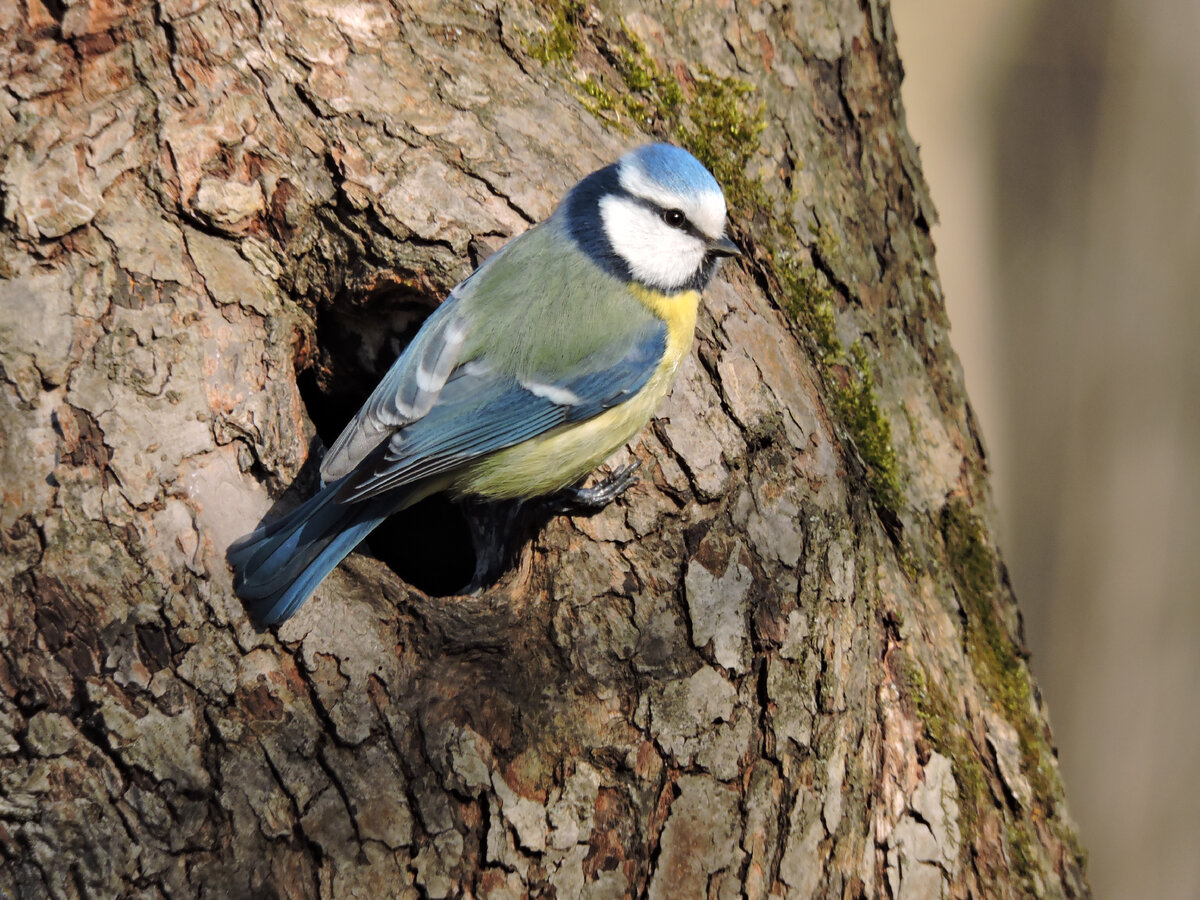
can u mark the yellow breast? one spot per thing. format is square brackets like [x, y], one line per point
[679, 312]
[561, 457]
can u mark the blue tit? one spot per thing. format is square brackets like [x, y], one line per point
[546, 360]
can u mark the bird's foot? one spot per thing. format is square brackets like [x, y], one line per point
[582, 501]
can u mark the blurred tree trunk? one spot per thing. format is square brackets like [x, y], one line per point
[787, 664]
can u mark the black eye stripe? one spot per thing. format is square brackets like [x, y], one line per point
[687, 226]
[658, 210]
[662, 212]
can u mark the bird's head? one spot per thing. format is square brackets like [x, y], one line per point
[656, 216]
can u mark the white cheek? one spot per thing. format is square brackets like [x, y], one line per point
[657, 254]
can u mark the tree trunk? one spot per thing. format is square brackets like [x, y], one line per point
[787, 664]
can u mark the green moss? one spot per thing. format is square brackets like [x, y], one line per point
[560, 40]
[1021, 854]
[1004, 679]
[722, 129]
[826, 242]
[655, 96]
[600, 101]
[713, 117]
[995, 660]
[992, 653]
[651, 99]
[857, 407]
[810, 298]
[941, 721]
[971, 562]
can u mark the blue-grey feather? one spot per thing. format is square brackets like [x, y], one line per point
[277, 566]
[673, 168]
[277, 607]
[481, 413]
[399, 398]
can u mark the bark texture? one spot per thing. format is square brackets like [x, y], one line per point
[787, 664]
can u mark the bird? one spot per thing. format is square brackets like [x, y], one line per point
[537, 367]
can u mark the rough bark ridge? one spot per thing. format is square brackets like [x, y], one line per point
[787, 664]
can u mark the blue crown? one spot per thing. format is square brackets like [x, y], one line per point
[674, 168]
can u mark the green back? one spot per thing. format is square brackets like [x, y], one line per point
[544, 308]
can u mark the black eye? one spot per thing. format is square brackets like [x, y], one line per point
[674, 217]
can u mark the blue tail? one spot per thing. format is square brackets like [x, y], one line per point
[278, 566]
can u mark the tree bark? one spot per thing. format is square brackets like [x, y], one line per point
[787, 664]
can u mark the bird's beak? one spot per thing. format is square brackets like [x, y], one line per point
[723, 246]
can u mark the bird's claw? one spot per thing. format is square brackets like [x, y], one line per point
[581, 500]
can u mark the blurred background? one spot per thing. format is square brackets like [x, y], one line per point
[1061, 140]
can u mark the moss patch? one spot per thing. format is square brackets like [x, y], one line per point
[722, 129]
[992, 654]
[655, 97]
[994, 658]
[810, 299]
[599, 100]
[713, 117]
[857, 406]
[1021, 854]
[1004, 679]
[941, 719]
[560, 41]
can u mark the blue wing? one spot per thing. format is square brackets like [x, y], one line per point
[406, 393]
[480, 411]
